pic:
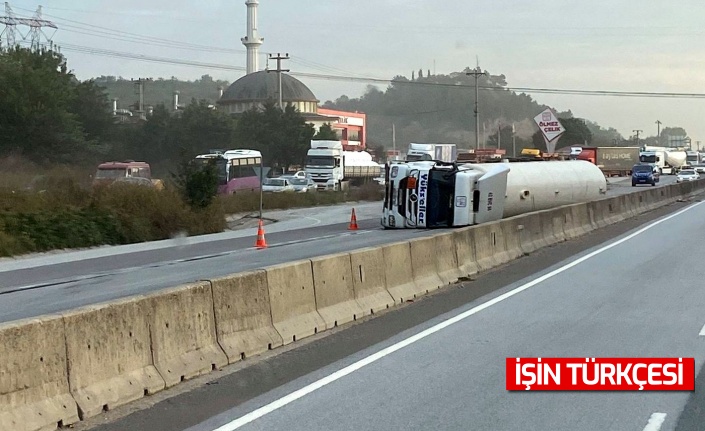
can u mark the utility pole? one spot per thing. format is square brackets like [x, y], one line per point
[637, 136]
[514, 142]
[279, 71]
[658, 131]
[394, 140]
[499, 136]
[476, 73]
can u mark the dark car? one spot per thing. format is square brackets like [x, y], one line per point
[644, 174]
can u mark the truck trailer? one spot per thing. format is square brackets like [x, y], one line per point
[613, 161]
[669, 161]
[433, 195]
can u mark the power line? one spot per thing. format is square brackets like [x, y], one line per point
[343, 76]
[370, 80]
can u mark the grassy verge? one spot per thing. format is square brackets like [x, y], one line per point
[249, 202]
[68, 216]
[59, 210]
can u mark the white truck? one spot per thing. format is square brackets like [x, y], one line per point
[693, 157]
[439, 152]
[668, 160]
[331, 168]
[433, 195]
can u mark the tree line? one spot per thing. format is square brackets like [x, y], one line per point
[48, 116]
[440, 108]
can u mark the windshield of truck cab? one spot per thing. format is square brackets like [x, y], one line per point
[648, 158]
[320, 161]
[440, 196]
[417, 157]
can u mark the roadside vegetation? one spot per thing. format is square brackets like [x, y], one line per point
[59, 209]
[249, 202]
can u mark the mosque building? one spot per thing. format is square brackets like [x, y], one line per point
[258, 87]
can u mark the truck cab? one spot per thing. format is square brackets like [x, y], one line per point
[324, 164]
[429, 194]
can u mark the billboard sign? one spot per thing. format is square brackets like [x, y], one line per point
[550, 127]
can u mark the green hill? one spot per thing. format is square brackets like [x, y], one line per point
[439, 108]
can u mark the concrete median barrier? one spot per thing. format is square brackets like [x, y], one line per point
[293, 301]
[490, 248]
[398, 273]
[599, 211]
[446, 259]
[464, 239]
[632, 204]
[423, 263]
[184, 341]
[243, 315]
[511, 231]
[572, 228]
[333, 287]
[531, 236]
[34, 389]
[581, 218]
[552, 222]
[109, 355]
[369, 282]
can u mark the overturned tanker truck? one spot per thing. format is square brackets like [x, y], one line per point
[432, 194]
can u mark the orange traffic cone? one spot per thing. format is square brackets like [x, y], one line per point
[261, 242]
[353, 221]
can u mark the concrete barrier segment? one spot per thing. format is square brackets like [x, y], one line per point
[243, 315]
[182, 327]
[334, 291]
[464, 240]
[110, 355]
[34, 389]
[399, 274]
[423, 264]
[293, 301]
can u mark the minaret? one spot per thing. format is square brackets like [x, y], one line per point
[252, 41]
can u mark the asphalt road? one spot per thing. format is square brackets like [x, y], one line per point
[630, 290]
[63, 281]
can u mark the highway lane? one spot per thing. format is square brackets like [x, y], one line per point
[640, 295]
[309, 221]
[40, 286]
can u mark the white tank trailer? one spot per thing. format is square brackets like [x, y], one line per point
[431, 194]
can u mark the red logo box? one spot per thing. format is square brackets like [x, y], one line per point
[600, 374]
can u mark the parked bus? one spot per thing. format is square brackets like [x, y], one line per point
[238, 170]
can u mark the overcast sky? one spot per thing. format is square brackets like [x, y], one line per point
[615, 45]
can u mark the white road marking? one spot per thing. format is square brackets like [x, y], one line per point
[702, 332]
[655, 422]
[300, 393]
